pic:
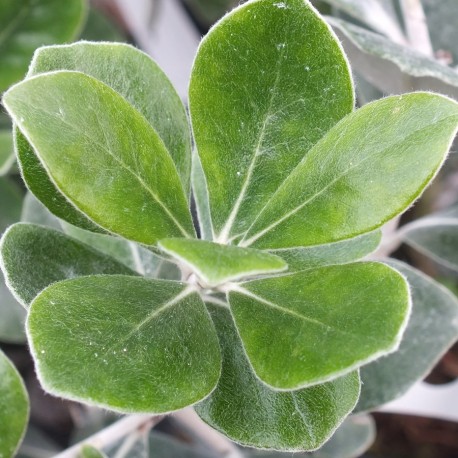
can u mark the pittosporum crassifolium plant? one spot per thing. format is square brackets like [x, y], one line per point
[274, 313]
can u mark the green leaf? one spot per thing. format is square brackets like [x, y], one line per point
[201, 198]
[6, 151]
[432, 329]
[309, 327]
[25, 25]
[390, 67]
[135, 76]
[99, 28]
[251, 414]
[88, 451]
[436, 236]
[33, 257]
[14, 408]
[216, 264]
[368, 168]
[37, 180]
[147, 345]
[351, 440]
[331, 253]
[89, 123]
[268, 82]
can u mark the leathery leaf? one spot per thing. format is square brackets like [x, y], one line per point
[147, 345]
[367, 169]
[309, 327]
[95, 146]
[14, 408]
[216, 264]
[268, 81]
[263, 418]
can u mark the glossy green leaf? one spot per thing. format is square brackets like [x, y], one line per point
[309, 327]
[25, 25]
[33, 257]
[432, 329]
[88, 451]
[138, 79]
[251, 414]
[215, 264]
[368, 168]
[201, 198]
[435, 236]
[14, 408]
[147, 345]
[6, 151]
[391, 67]
[89, 123]
[268, 81]
[331, 253]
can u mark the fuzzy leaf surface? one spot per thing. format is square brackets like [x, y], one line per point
[306, 328]
[139, 80]
[367, 169]
[33, 257]
[435, 236]
[393, 68]
[333, 253]
[147, 345]
[264, 418]
[73, 120]
[268, 81]
[14, 408]
[25, 25]
[432, 329]
[216, 264]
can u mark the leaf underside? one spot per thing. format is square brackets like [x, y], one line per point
[261, 417]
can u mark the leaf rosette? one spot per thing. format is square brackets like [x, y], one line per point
[275, 312]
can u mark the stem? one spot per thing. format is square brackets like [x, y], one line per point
[416, 27]
[210, 437]
[113, 433]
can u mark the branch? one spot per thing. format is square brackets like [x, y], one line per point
[416, 27]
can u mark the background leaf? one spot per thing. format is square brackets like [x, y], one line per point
[435, 236]
[26, 24]
[14, 408]
[432, 329]
[6, 151]
[264, 418]
[260, 96]
[33, 257]
[369, 168]
[332, 253]
[310, 327]
[156, 333]
[105, 139]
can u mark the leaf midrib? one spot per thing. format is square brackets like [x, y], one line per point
[123, 165]
[256, 236]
